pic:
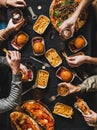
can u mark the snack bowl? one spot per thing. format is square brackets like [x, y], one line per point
[38, 46]
[20, 40]
[41, 24]
[27, 77]
[65, 74]
[17, 15]
[77, 44]
[42, 79]
[63, 110]
[53, 57]
[62, 89]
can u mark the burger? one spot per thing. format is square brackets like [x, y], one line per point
[79, 42]
[66, 75]
[38, 47]
[20, 40]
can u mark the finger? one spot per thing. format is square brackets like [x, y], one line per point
[18, 25]
[18, 55]
[21, 2]
[19, 5]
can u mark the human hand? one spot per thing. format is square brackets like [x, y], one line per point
[16, 3]
[13, 59]
[69, 23]
[23, 68]
[75, 61]
[91, 118]
[72, 88]
[14, 27]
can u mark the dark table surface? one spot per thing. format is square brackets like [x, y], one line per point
[61, 123]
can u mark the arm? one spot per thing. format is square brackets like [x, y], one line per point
[4, 33]
[89, 85]
[75, 61]
[3, 60]
[91, 60]
[81, 6]
[70, 22]
[14, 97]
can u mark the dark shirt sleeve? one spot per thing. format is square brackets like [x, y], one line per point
[3, 60]
[14, 97]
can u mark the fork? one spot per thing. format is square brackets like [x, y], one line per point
[44, 63]
[33, 87]
[64, 54]
[5, 50]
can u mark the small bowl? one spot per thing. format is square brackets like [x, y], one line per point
[20, 40]
[27, 77]
[41, 24]
[62, 89]
[17, 15]
[77, 44]
[42, 79]
[66, 34]
[38, 46]
[64, 74]
[53, 57]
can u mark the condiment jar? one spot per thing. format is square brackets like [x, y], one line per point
[17, 15]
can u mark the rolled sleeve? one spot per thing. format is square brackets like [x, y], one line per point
[14, 97]
[89, 85]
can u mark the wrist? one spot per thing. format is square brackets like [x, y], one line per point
[16, 71]
[87, 59]
[78, 89]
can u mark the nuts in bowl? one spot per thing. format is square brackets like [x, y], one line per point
[64, 74]
[77, 44]
[20, 40]
[38, 46]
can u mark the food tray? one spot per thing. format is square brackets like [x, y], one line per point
[16, 45]
[53, 57]
[42, 79]
[77, 44]
[40, 47]
[63, 110]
